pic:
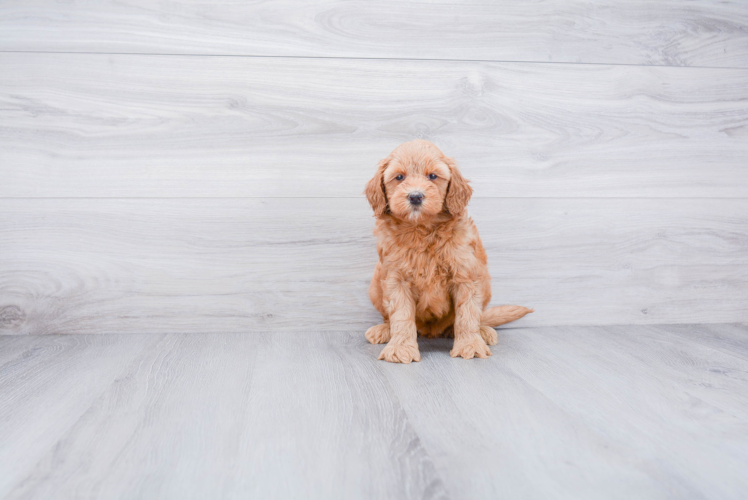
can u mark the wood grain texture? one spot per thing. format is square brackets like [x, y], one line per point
[158, 126]
[597, 412]
[564, 412]
[663, 32]
[50, 386]
[210, 265]
[197, 416]
[323, 421]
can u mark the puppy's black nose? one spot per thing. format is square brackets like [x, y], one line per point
[415, 198]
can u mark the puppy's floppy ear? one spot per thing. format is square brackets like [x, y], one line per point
[458, 191]
[375, 190]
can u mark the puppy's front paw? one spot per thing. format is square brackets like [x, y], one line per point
[379, 334]
[470, 347]
[489, 335]
[400, 352]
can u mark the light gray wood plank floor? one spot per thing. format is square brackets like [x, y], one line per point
[644, 412]
[664, 32]
[89, 125]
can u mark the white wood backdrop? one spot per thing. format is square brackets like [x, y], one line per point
[198, 167]
[661, 32]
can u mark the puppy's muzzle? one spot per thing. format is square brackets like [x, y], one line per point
[415, 198]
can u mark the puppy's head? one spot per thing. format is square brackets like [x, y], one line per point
[416, 182]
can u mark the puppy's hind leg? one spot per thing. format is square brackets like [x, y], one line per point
[495, 316]
[489, 335]
[379, 334]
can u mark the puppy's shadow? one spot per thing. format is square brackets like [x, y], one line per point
[434, 347]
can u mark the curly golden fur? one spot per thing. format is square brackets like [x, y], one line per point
[432, 275]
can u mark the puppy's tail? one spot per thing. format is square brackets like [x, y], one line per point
[495, 316]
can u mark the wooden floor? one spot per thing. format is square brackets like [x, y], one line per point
[557, 412]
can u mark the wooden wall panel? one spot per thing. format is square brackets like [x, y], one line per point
[187, 265]
[159, 126]
[154, 178]
[662, 32]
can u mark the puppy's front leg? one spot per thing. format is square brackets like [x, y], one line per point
[403, 344]
[468, 341]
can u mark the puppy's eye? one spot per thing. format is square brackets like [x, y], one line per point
[400, 177]
[432, 176]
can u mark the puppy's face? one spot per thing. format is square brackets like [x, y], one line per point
[417, 182]
[416, 186]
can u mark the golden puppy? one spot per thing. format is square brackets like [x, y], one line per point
[432, 275]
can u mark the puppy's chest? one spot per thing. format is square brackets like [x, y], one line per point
[427, 270]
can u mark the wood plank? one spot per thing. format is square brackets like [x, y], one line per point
[573, 412]
[153, 126]
[730, 339]
[664, 32]
[234, 265]
[643, 412]
[328, 423]
[50, 389]
[222, 416]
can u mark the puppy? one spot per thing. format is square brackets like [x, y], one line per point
[432, 275]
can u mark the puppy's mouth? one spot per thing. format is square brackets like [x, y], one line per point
[416, 212]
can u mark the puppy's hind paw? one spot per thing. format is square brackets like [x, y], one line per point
[489, 335]
[379, 334]
[469, 348]
[400, 353]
